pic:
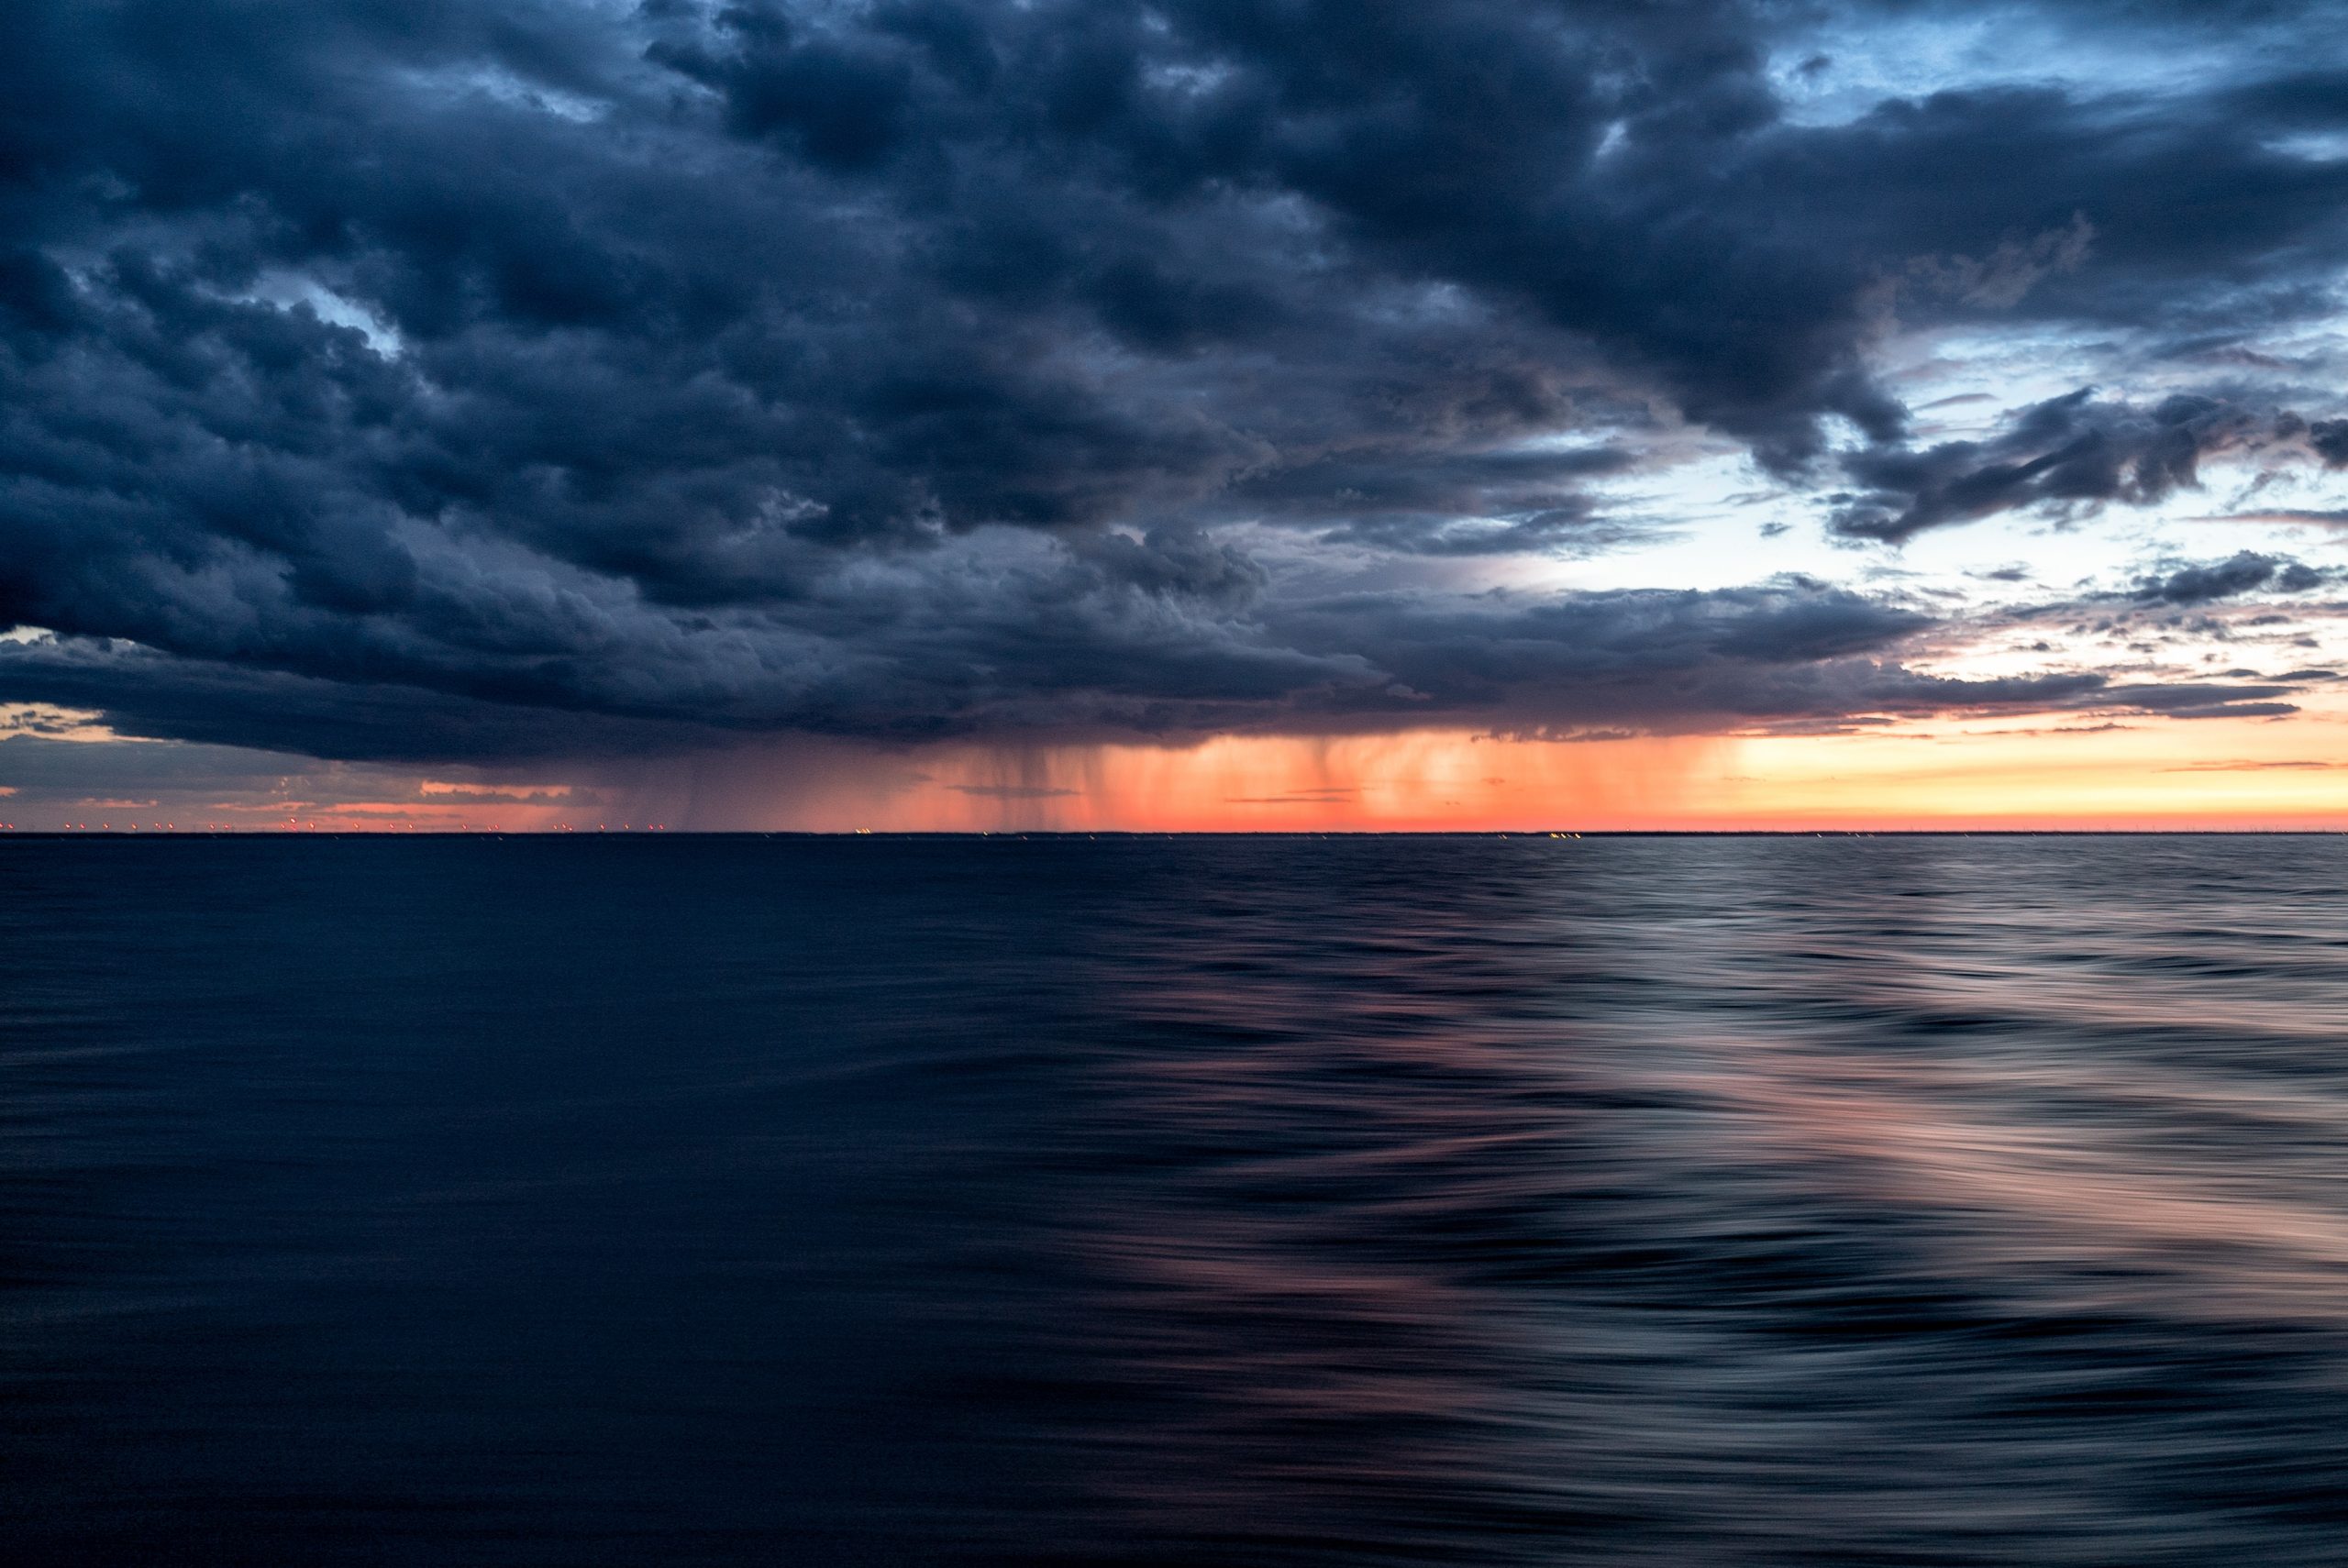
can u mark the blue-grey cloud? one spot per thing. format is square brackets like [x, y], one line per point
[490, 377]
[2245, 571]
[2068, 453]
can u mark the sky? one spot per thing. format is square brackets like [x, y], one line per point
[1550, 414]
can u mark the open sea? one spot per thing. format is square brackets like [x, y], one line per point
[673, 1201]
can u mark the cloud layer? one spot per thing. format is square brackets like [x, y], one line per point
[481, 378]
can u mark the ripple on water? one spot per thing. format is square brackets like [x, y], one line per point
[1916, 1200]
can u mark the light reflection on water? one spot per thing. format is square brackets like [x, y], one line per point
[1164, 1201]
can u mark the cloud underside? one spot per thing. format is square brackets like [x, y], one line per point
[1793, 656]
[491, 378]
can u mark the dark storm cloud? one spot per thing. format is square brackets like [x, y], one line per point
[1086, 649]
[491, 377]
[2330, 438]
[2245, 571]
[2206, 700]
[1468, 503]
[2070, 452]
[160, 696]
[1111, 659]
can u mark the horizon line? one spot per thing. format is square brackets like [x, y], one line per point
[7, 833]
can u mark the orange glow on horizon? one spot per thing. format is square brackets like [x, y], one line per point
[2077, 774]
[2225, 773]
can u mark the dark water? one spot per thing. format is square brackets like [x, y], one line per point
[632, 1202]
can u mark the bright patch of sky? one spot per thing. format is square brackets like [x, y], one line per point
[504, 87]
[2321, 146]
[1866, 61]
[51, 722]
[1716, 520]
[287, 290]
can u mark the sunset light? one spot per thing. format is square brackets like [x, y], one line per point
[1174, 783]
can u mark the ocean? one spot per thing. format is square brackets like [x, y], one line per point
[1132, 1200]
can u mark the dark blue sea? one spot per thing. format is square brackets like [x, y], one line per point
[675, 1201]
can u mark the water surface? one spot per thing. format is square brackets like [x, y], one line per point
[1157, 1201]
